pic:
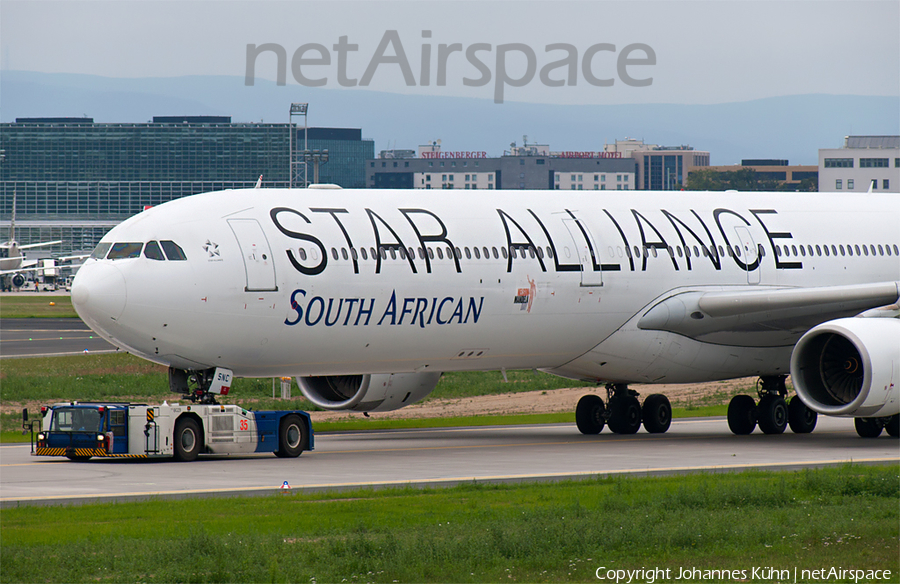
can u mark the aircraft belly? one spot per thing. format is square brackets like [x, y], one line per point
[636, 356]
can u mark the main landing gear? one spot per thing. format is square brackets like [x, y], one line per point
[772, 413]
[871, 427]
[624, 413]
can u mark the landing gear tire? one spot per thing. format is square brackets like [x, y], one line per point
[772, 414]
[656, 413]
[868, 427]
[742, 415]
[624, 414]
[589, 414]
[893, 425]
[801, 419]
[290, 437]
[187, 440]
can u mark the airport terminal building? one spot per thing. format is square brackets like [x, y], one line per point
[74, 179]
[864, 162]
[623, 166]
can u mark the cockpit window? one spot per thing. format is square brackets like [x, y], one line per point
[152, 251]
[173, 251]
[125, 250]
[100, 251]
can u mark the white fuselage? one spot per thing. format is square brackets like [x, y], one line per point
[284, 282]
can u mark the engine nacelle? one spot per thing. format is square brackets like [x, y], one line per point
[849, 367]
[380, 392]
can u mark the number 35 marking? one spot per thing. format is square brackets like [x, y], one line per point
[244, 425]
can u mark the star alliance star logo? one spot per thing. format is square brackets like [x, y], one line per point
[211, 248]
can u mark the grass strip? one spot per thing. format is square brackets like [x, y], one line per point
[37, 306]
[844, 517]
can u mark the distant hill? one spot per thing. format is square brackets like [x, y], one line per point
[791, 127]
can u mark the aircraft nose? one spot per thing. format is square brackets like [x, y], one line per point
[98, 293]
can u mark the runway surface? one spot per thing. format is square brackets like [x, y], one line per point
[437, 457]
[44, 337]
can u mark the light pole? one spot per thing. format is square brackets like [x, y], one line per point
[316, 158]
[297, 163]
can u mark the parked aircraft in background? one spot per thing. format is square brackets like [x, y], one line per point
[12, 260]
[367, 296]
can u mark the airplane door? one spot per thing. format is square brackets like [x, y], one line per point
[258, 264]
[749, 254]
[588, 252]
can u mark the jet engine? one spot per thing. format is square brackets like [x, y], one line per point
[380, 392]
[849, 367]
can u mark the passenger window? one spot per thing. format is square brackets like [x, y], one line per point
[495, 253]
[468, 254]
[487, 254]
[431, 253]
[477, 253]
[344, 253]
[440, 253]
[334, 253]
[302, 253]
[550, 252]
[100, 251]
[174, 253]
[125, 250]
[353, 254]
[365, 255]
[153, 252]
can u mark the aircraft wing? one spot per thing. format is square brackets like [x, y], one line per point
[31, 268]
[41, 244]
[748, 317]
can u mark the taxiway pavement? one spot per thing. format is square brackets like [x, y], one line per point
[46, 337]
[437, 457]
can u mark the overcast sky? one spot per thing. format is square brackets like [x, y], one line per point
[650, 51]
